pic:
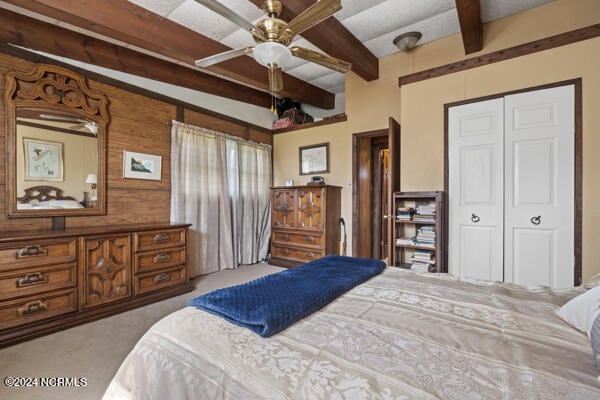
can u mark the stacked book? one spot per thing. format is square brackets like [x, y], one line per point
[423, 261]
[426, 236]
[404, 213]
[425, 213]
[404, 240]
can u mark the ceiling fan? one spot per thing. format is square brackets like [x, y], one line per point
[80, 124]
[273, 37]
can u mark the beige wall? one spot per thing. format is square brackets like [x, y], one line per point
[80, 158]
[419, 106]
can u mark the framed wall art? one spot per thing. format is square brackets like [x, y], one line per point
[314, 159]
[141, 166]
[43, 160]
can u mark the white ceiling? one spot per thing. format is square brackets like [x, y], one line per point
[374, 22]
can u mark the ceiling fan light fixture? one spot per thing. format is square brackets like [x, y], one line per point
[407, 40]
[268, 53]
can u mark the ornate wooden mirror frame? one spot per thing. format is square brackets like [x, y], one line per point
[61, 92]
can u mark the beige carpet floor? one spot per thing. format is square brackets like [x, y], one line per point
[95, 350]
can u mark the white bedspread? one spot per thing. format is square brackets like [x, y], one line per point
[400, 335]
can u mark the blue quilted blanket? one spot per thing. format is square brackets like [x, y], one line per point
[270, 304]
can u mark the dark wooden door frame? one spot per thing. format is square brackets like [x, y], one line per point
[356, 180]
[577, 83]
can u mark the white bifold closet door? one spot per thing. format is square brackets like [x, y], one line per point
[511, 188]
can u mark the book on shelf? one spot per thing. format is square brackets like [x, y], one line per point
[404, 213]
[404, 240]
[422, 267]
[422, 260]
[426, 209]
[426, 236]
[425, 213]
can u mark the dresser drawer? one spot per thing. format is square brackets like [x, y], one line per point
[159, 279]
[30, 281]
[36, 308]
[35, 253]
[150, 240]
[159, 259]
[296, 253]
[297, 238]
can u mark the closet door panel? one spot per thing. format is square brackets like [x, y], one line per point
[533, 267]
[475, 156]
[539, 171]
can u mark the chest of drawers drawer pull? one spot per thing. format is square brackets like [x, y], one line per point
[31, 251]
[32, 307]
[161, 237]
[284, 236]
[162, 258]
[162, 277]
[309, 254]
[34, 278]
[309, 238]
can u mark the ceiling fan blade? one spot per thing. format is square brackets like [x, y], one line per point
[227, 13]
[61, 118]
[275, 78]
[227, 55]
[321, 59]
[316, 13]
[78, 126]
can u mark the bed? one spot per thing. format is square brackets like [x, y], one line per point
[400, 335]
[46, 197]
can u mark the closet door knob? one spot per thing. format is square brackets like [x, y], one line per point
[536, 220]
[475, 218]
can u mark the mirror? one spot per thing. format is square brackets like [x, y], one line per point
[56, 128]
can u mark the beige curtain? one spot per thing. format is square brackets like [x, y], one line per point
[220, 184]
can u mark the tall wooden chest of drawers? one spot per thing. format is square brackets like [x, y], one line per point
[305, 223]
[52, 280]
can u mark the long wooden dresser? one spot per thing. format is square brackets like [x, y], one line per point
[305, 223]
[52, 280]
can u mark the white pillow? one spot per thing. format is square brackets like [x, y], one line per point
[592, 282]
[581, 311]
[65, 204]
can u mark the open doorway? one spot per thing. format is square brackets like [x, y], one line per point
[375, 176]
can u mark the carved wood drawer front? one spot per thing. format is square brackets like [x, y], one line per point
[159, 279]
[296, 253]
[36, 253]
[159, 259]
[29, 281]
[107, 269]
[150, 240]
[309, 239]
[29, 309]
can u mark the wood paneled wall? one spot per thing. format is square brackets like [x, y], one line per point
[138, 122]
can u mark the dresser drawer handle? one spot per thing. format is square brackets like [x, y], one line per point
[309, 238]
[284, 236]
[34, 278]
[162, 258]
[162, 277]
[161, 237]
[286, 252]
[31, 251]
[309, 254]
[32, 307]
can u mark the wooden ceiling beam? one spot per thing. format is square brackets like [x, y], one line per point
[33, 34]
[471, 27]
[132, 24]
[334, 39]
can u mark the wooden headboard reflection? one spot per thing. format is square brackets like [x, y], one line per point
[43, 193]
